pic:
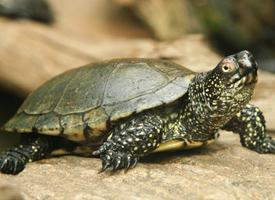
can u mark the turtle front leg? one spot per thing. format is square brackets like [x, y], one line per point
[129, 141]
[32, 147]
[250, 125]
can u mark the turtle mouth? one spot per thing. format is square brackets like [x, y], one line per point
[247, 68]
[248, 79]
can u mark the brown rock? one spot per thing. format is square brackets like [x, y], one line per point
[167, 20]
[8, 192]
[42, 52]
[224, 170]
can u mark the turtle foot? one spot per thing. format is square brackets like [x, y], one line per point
[115, 159]
[12, 162]
[267, 146]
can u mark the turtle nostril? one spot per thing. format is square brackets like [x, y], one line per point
[246, 52]
[247, 60]
[243, 54]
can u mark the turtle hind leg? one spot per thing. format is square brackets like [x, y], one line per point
[33, 147]
[250, 125]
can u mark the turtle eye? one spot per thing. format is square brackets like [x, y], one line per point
[225, 68]
[228, 67]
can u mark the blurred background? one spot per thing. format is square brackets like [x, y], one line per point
[39, 39]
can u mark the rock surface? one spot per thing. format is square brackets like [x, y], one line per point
[223, 170]
[9, 192]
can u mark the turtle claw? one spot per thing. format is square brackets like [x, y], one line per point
[106, 146]
[131, 162]
[11, 164]
[117, 163]
[115, 159]
[128, 160]
[105, 165]
[135, 161]
[271, 146]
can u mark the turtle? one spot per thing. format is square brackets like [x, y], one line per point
[123, 109]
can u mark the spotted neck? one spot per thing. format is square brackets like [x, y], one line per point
[208, 108]
[200, 116]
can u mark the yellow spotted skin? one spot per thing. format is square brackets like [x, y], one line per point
[250, 125]
[34, 147]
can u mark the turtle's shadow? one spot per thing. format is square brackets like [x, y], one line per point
[173, 156]
[166, 157]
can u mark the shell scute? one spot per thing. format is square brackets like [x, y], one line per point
[79, 103]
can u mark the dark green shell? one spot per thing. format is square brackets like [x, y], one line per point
[91, 95]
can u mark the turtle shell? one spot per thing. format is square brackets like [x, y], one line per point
[78, 103]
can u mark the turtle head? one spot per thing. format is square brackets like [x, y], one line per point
[237, 71]
[227, 88]
[218, 95]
